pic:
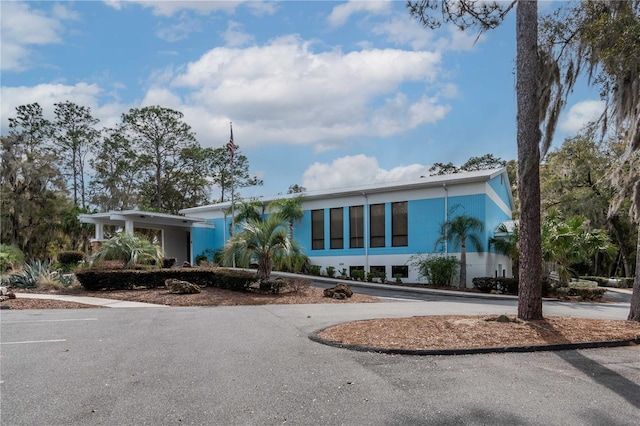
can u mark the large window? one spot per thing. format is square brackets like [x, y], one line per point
[376, 234]
[400, 271]
[356, 226]
[317, 229]
[378, 271]
[399, 225]
[337, 228]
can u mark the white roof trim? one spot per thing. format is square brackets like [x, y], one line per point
[422, 182]
[145, 218]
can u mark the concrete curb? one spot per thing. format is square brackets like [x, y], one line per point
[407, 289]
[475, 351]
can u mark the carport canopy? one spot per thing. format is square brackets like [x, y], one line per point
[130, 219]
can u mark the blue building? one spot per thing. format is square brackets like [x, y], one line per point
[378, 227]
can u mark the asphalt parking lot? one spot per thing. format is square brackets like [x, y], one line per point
[254, 365]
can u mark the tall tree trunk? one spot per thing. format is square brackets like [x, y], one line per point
[634, 312]
[527, 88]
[622, 243]
[463, 265]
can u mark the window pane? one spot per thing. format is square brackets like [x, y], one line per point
[317, 229]
[337, 228]
[400, 271]
[399, 224]
[356, 226]
[376, 212]
[378, 271]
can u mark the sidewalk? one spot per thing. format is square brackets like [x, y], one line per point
[97, 301]
[111, 303]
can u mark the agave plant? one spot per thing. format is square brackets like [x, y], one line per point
[37, 273]
[129, 249]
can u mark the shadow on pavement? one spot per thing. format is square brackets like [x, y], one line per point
[604, 376]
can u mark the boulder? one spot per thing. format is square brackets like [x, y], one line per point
[181, 287]
[341, 291]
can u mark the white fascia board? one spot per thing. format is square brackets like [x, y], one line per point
[449, 180]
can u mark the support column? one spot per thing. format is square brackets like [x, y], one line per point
[128, 226]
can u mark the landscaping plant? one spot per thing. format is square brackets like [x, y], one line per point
[439, 270]
[130, 249]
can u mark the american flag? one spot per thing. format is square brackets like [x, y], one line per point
[230, 146]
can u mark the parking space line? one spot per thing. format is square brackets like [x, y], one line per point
[50, 320]
[33, 341]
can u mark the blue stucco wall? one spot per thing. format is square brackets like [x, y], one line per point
[499, 185]
[425, 217]
[203, 239]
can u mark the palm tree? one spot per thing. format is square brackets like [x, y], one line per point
[568, 242]
[507, 244]
[290, 209]
[244, 211]
[460, 229]
[130, 249]
[264, 239]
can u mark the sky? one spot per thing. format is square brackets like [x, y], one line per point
[322, 94]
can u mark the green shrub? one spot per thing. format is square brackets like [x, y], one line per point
[168, 262]
[343, 273]
[331, 271]
[10, 258]
[70, 257]
[626, 282]
[584, 293]
[498, 284]
[439, 270]
[93, 279]
[583, 284]
[398, 278]
[314, 269]
[602, 281]
[209, 257]
[272, 286]
[357, 274]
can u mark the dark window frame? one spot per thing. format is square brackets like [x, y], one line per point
[400, 270]
[317, 229]
[336, 228]
[400, 224]
[356, 226]
[377, 225]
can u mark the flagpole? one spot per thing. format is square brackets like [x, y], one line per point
[231, 147]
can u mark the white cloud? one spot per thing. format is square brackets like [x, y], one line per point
[235, 36]
[341, 13]
[48, 94]
[23, 27]
[405, 30]
[181, 29]
[580, 114]
[287, 93]
[283, 93]
[169, 7]
[116, 4]
[356, 170]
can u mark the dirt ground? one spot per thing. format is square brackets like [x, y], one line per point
[415, 333]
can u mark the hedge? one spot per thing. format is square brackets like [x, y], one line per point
[499, 284]
[70, 257]
[100, 279]
[584, 293]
